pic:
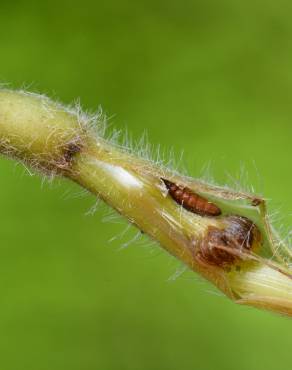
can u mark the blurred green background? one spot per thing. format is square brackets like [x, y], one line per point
[212, 78]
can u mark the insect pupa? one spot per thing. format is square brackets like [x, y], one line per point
[191, 201]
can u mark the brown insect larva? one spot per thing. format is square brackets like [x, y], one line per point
[190, 200]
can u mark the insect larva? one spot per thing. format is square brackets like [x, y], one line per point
[191, 201]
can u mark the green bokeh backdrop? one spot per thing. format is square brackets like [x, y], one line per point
[213, 78]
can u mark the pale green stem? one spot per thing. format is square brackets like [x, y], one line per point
[56, 140]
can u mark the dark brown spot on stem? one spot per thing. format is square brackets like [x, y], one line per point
[70, 150]
[224, 247]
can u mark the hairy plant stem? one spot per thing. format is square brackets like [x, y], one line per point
[61, 141]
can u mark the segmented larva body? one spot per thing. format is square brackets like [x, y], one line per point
[191, 201]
